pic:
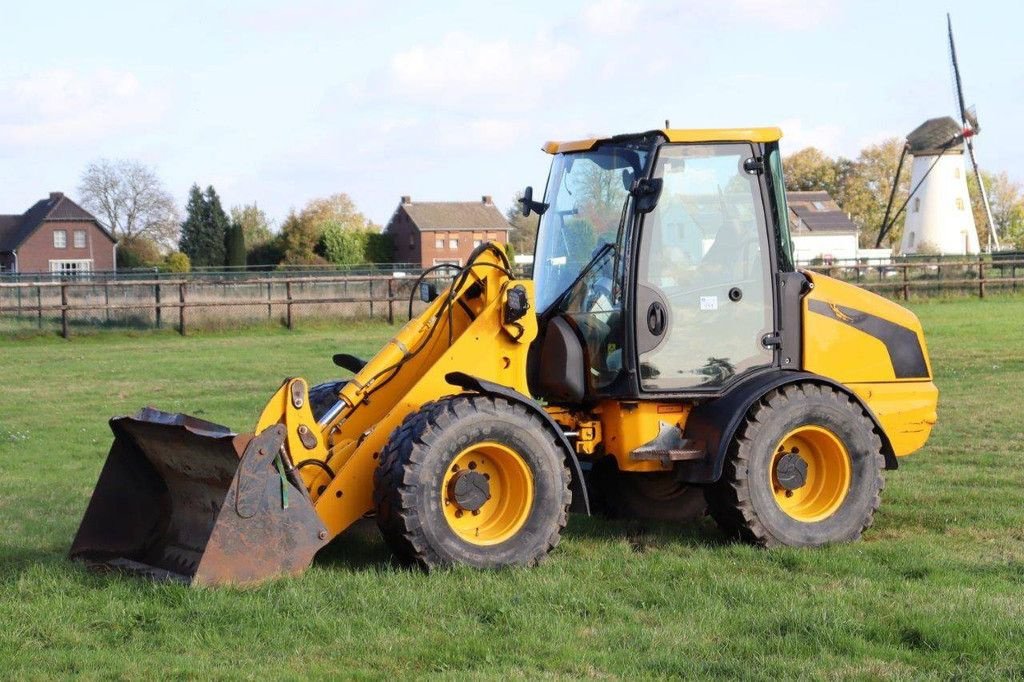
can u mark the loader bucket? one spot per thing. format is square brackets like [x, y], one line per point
[186, 500]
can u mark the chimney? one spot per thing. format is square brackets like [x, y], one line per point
[486, 199]
[56, 196]
[406, 199]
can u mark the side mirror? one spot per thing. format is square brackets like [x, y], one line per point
[531, 206]
[428, 292]
[646, 192]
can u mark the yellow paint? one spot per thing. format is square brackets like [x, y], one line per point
[905, 408]
[511, 491]
[829, 474]
[625, 426]
[906, 411]
[678, 135]
[377, 398]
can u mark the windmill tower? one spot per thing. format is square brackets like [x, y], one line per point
[938, 210]
[939, 216]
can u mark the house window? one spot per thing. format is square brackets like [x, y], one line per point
[476, 243]
[71, 267]
[956, 172]
[412, 241]
[439, 243]
[917, 204]
[453, 243]
[450, 261]
[960, 203]
[79, 239]
[910, 240]
[491, 236]
[60, 239]
[818, 206]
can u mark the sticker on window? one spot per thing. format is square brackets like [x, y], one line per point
[709, 303]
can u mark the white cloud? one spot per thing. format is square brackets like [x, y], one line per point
[461, 68]
[785, 14]
[611, 17]
[797, 136]
[59, 105]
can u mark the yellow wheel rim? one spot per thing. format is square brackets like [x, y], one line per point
[827, 479]
[503, 489]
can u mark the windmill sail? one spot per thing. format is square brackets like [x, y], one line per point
[969, 121]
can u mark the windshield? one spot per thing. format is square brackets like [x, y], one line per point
[586, 193]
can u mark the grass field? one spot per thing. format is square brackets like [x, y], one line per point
[935, 589]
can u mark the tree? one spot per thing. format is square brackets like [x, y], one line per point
[254, 223]
[811, 169]
[343, 247]
[203, 232]
[130, 198]
[1006, 199]
[380, 248]
[138, 252]
[865, 191]
[299, 241]
[302, 234]
[234, 246]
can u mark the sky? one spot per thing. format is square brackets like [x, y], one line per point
[280, 102]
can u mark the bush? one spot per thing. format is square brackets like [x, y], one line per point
[177, 261]
[138, 252]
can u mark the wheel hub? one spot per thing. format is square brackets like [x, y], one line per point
[791, 471]
[469, 490]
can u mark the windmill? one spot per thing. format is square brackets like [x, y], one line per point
[939, 214]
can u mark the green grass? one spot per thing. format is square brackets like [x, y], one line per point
[935, 589]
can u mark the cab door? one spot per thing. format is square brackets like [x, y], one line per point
[704, 301]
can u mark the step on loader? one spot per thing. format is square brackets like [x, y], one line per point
[665, 358]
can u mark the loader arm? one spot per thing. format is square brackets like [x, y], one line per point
[469, 322]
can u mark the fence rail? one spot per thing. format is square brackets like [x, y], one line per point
[185, 303]
[193, 304]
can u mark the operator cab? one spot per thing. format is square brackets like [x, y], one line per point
[655, 265]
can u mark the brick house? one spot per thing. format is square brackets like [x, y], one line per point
[55, 235]
[433, 232]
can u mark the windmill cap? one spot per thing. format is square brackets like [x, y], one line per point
[935, 136]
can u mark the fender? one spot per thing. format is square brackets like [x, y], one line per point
[716, 421]
[471, 383]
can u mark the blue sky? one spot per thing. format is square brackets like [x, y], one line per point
[280, 102]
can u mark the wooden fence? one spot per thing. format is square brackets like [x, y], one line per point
[162, 302]
[185, 304]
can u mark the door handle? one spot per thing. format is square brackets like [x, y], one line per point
[656, 318]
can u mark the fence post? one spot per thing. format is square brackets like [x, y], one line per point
[391, 302]
[981, 277]
[106, 301]
[39, 305]
[906, 285]
[156, 296]
[64, 310]
[181, 308]
[371, 299]
[288, 297]
[270, 312]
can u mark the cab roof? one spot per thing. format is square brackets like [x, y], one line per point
[677, 135]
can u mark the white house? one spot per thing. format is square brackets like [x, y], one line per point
[819, 228]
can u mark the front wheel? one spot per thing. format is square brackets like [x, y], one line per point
[472, 480]
[804, 469]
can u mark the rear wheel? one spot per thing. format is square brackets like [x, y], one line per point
[804, 469]
[472, 480]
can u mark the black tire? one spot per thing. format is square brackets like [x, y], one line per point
[654, 496]
[743, 501]
[419, 455]
[323, 397]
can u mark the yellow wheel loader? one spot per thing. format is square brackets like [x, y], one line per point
[665, 352]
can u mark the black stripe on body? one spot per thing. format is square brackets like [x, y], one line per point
[904, 349]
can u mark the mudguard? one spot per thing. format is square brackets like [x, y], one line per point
[715, 422]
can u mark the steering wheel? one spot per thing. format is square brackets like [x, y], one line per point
[600, 287]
